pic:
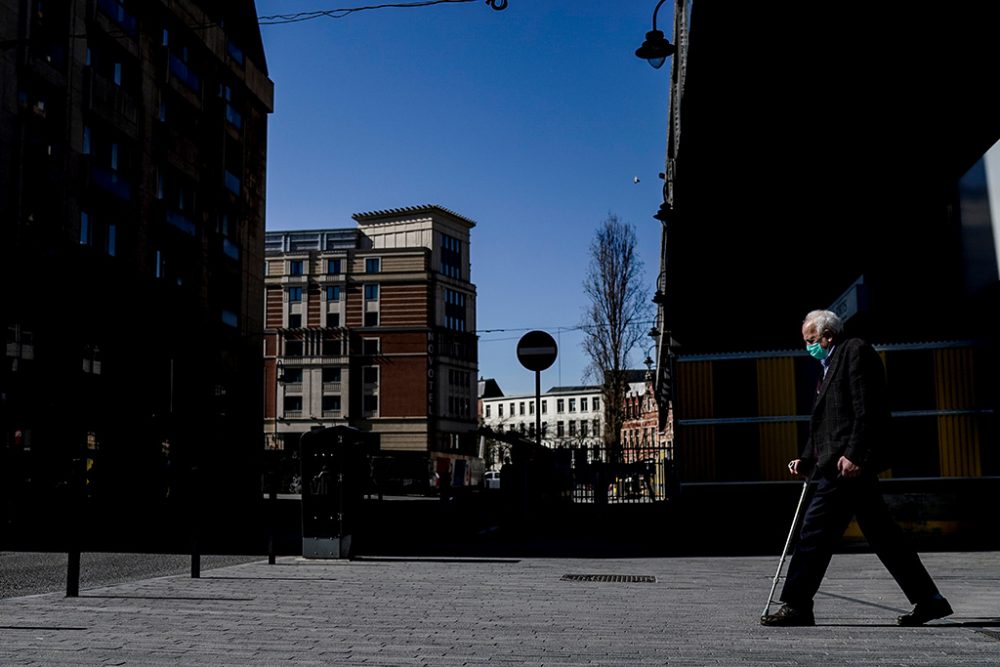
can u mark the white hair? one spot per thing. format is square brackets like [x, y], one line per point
[823, 321]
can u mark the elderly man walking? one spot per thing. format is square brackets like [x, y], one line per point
[847, 449]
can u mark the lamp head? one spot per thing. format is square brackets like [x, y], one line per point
[665, 214]
[656, 49]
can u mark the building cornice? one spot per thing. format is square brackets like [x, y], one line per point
[393, 214]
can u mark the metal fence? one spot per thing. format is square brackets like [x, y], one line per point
[646, 478]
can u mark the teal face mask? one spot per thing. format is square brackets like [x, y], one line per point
[816, 351]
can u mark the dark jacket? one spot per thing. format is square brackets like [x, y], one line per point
[850, 415]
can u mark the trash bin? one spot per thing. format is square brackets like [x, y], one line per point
[335, 473]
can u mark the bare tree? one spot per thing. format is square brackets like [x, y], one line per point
[614, 319]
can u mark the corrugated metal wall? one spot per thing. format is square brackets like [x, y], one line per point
[721, 437]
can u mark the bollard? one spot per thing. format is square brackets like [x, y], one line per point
[73, 555]
[272, 511]
[73, 573]
[195, 547]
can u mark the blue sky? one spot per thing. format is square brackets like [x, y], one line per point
[532, 121]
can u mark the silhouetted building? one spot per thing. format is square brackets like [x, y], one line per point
[374, 327]
[132, 169]
[816, 158]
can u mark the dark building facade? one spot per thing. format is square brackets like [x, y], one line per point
[816, 158]
[132, 172]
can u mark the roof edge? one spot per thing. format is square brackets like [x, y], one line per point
[371, 216]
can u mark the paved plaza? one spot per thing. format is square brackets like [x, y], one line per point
[504, 611]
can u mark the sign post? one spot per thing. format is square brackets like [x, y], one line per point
[537, 351]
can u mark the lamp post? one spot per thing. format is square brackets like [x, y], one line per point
[656, 48]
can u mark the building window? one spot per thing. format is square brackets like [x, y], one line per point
[333, 266]
[371, 319]
[333, 347]
[597, 427]
[234, 52]
[597, 404]
[545, 407]
[294, 321]
[370, 403]
[373, 265]
[294, 294]
[112, 240]
[531, 408]
[583, 404]
[500, 410]
[560, 429]
[86, 232]
[295, 267]
[454, 310]
[293, 348]
[115, 10]
[572, 427]
[369, 346]
[331, 375]
[488, 406]
[520, 408]
[332, 320]
[572, 405]
[293, 406]
[371, 292]
[583, 428]
[512, 409]
[291, 376]
[451, 256]
[231, 319]
[560, 406]
[333, 293]
[86, 141]
[331, 404]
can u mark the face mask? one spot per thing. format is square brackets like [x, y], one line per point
[816, 351]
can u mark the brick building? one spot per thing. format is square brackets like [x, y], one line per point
[132, 169]
[642, 437]
[374, 327]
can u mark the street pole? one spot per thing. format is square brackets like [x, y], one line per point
[538, 408]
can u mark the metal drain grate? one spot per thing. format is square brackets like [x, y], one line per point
[612, 578]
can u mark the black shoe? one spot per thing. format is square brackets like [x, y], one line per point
[789, 617]
[926, 611]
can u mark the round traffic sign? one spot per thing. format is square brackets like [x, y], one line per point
[536, 350]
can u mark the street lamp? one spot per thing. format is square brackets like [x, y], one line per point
[656, 49]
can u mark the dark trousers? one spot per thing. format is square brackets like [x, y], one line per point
[830, 511]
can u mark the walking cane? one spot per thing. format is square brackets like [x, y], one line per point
[784, 552]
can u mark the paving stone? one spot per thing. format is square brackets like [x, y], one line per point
[699, 611]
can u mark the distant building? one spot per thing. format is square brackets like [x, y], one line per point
[133, 143]
[374, 327]
[488, 388]
[642, 437]
[571, 416]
